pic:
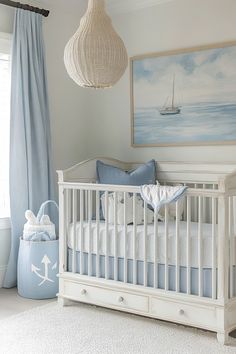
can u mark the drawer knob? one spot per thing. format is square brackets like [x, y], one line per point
[83, 292]
[181, 312]
[121, 299]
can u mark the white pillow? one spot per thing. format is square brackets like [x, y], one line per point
[129, 209]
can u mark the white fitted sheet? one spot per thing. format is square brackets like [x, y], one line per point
[206, 242]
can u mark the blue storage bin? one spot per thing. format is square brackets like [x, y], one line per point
[38, 269]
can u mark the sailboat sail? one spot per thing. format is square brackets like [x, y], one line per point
[171, 109]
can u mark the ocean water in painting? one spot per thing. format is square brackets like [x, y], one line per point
[209, 122]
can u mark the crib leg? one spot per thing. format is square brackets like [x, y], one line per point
[223, 337]
[63, 302]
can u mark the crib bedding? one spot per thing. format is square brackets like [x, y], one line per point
[206, 242]
[206, 274]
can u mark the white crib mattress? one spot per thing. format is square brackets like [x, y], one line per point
[206, 242]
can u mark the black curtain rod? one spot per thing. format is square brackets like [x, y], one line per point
[25, 7]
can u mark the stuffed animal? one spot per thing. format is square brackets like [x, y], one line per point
[38, 228]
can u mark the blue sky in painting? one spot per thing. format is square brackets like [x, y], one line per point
[202, 76]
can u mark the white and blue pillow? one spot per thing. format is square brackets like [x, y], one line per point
[108, 174]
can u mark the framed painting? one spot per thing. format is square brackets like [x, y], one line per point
[184, 97]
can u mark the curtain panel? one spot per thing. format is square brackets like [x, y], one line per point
[31, 176]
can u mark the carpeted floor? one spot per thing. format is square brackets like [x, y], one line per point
[51, 329]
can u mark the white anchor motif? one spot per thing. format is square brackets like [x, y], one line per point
[46, 261]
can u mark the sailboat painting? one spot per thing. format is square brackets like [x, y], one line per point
[184, 97]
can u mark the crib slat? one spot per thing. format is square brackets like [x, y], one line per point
[200, 292]
[97, 233]
[177, 247]
[166, 249]
[213, 217]
[223, 248]
[81, 231]
[134, 240]
[188, 245]
[145, 246]
[106, 238]
[116, 239]
[204, 204]
[63, 236]
[155, 250]
[86, 205]
[90, 232]
[234, 214]
[231, 248]
[195, 206]
[215, 187]
[74, 230]
[223, 261]
[185, 206]
[67, 223]
[125, 237]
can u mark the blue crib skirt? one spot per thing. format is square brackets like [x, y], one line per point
[206, 273]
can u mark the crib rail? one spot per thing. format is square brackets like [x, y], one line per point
[135, 189]
[205, 221]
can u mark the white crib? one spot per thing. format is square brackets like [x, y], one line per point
[182, 271]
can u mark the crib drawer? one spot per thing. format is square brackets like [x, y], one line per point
[106, 297]
[183, 313]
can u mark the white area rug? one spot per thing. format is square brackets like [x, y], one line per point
[79, 328]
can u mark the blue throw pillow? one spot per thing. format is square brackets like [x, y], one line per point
[144, 174]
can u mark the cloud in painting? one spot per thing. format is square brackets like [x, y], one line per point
[200, 77]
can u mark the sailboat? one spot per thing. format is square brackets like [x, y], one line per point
[171, 109]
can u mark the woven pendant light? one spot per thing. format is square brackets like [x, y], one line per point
[95, 56]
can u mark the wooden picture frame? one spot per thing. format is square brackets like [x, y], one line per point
[206, 74]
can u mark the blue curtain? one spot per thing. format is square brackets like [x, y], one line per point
[31, 177]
